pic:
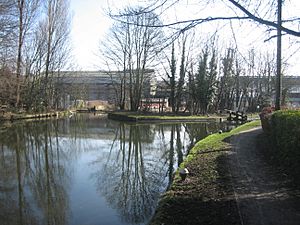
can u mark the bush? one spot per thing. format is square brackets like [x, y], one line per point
[285, 135]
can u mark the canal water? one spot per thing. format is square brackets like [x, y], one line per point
[88, 170]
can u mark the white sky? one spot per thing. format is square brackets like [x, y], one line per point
[90, 25]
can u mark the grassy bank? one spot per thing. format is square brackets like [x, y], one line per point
[142, 117]
[206, 196]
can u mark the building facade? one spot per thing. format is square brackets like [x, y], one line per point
[93, 88]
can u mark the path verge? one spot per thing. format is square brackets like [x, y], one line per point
[207, 195]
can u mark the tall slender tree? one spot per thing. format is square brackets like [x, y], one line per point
[25, 12]
[56, 28]
[172, 79]
[181, 79]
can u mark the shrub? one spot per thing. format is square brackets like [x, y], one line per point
[285, 136]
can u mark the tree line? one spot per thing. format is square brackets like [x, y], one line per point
[34, 48]
[34, 43]
[220, 79]
[197, 75]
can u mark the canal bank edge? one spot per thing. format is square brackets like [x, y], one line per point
[206, 196]
[135, 117]
[28, 116]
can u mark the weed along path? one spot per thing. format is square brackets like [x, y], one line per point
[262, 193]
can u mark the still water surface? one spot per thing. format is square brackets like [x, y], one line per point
[89, 170]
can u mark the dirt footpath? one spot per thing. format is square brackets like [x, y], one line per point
[262, 193]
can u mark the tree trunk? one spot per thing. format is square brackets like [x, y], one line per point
[278, 72]
[20, 45]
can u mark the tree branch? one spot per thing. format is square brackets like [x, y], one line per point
[262, 21]
[192, 22]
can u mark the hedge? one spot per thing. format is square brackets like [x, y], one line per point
[285, 135]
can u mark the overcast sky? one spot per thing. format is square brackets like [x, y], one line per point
[90, 25]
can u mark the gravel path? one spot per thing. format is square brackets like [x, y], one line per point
[263, 195]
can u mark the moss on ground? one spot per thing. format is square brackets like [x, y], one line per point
[206, 196]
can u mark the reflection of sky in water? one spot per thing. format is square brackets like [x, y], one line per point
[89, 172]
[89, 189]
[88, 206]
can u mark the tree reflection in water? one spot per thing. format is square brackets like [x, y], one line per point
[141, 163]
[130, 164]
[32, 170]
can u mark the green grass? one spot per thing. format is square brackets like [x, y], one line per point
[163, 117]
[207, 196]
[141, 116]
[152, 117]
[216, 141]
[145, 116]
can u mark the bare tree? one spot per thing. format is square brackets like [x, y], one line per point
[7, 32]
[7, 47]
[34, 44]
[262, 12]
[114, 51]
[26, 10]
[135, 45]
[47, 53]
[56, 29]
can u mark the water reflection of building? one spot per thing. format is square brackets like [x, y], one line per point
[98, 127]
